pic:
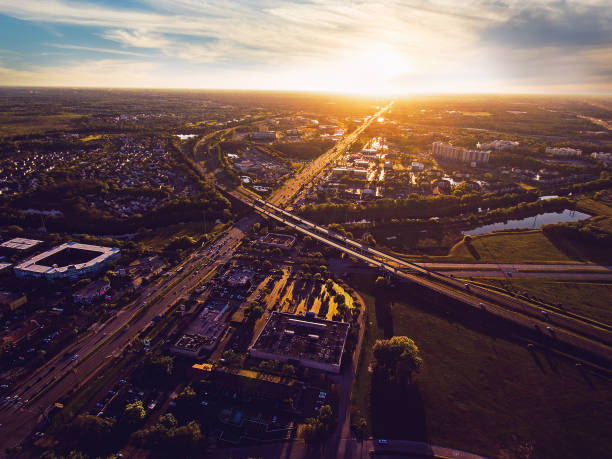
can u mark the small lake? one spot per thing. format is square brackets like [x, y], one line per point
[531, 222]
[185, 136]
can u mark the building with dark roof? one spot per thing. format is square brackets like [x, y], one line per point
[307, 341]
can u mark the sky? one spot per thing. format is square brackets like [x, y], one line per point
[354, 46]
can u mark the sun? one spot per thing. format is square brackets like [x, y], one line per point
[371, 70]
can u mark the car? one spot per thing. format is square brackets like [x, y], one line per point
[383, 442]
[74, 357]
[482, 306]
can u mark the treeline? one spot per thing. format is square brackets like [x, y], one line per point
[415, 206]
[73, 198]
[602, 183]
[594, 232]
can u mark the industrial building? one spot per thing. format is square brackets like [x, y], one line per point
[450, 152]
[307, 341]
[19, 243]
[202, 335]
[264, 135]
[563, 152]
[70, 260]
[91, 292]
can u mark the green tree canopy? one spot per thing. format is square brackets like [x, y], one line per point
[398, 357]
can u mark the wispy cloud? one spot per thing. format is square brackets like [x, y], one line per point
[96, 50]
[500, 41]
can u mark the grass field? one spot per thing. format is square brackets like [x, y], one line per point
[11, 125]
[483, 393]
[594, 207]
[515, 247]
[590, 299]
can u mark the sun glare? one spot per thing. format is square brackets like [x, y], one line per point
[369, 71]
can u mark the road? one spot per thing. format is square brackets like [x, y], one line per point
[581, 333]
[290, 187]
[61, 375]
[515, 267]
[352, 449]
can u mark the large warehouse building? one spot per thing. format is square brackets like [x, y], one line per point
[70, 260]
[307, 341]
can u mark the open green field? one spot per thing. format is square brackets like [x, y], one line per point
[590, 299]
[11, 125]
[481, 392]
[510, 247]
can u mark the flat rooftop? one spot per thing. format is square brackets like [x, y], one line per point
[240, 277]
[293, 336]
[70, 255]
[284, 240]
[19, 243]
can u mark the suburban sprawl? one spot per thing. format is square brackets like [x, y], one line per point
[253, 274]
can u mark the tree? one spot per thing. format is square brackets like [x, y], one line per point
[90, 429]
[326, 414]
[231, 359]
[159, 367]
[288, 370]
[340, 299]
[134, 412]
[187, 437]
[313, 430]
[381, 282]
[360, 427]
[398, 357]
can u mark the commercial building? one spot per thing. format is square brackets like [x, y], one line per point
[264, 135]
[351, 171]
[282, 241]
[307, 341]
[202, 335]
[564, 152]
[498, 145]
[19, 243]
[69, 260]
[240, 278]
[450, 152]
[91, 292]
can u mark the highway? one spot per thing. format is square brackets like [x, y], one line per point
[579, 332]
[61, 375]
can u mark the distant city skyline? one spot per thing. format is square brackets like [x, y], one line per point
[385, 47]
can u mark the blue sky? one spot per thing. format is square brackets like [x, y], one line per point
[394, 46]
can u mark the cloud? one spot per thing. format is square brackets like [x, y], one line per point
[488, 44]
[560, 23]
[95, 50]
[137, 38]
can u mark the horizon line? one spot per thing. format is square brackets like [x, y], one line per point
[313, 91]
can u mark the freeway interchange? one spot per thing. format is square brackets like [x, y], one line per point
[580, 332]
[105, 342]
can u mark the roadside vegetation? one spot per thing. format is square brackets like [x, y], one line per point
[479, 388]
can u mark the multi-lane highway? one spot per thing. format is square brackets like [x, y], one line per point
[31, 398]
[579, 332]
[81, 360]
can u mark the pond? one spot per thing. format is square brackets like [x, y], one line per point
[185, 136]
[531, 222]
